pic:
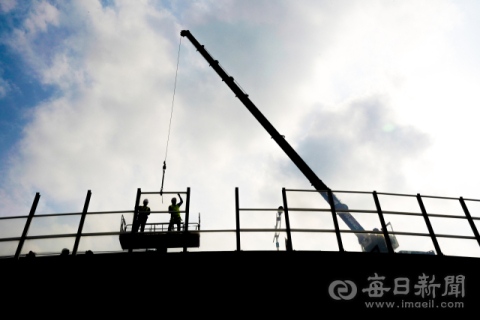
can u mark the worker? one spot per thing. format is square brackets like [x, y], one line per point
[143, 213]
[175, 213]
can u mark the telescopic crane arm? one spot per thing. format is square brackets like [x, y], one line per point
[302, 166]
[279, 139]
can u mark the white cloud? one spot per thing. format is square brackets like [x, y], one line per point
[5, 87]
[42, 14]
[7, 5]
[107, 131]
[350, 148]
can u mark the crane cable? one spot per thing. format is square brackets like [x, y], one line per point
[170, 124]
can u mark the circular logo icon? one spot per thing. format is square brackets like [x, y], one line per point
[338, 290]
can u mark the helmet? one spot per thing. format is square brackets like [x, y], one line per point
[145, 202]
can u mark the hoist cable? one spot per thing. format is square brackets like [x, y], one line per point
[171, 116]
[173, 99]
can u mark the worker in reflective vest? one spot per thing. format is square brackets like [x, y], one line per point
[174, 210]
[143, 213]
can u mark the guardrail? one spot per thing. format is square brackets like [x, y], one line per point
[21, 240]
[159, 227]
[433, 236]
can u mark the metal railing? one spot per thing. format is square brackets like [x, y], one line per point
[161, 227]
[158, 226]
[21, 240]
[384, 232]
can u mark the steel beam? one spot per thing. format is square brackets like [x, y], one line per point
[470, 220]
[27, 225]
[287, 221]
[429, 225]
[382, 222]
[335, 221]
[82, 221]
[237, 219]
[187, 213]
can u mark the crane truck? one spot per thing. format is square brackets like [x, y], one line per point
[370, 242]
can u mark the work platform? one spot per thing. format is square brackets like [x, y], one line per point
[157, 236]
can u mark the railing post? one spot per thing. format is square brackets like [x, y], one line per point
[135, 215]
[185, 227]
[382, 222]
[27, 225]
[82, 221]
[237, 219]
[335, 221]
[429, 226]
[470, 220]
[287, 221]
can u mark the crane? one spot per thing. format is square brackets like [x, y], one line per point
[368, 241]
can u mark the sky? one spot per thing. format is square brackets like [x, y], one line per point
[373, 95]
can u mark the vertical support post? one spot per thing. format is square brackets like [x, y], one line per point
[382, 222]
[287, 221]
[335, 221]
[82, 221]
[27, 225]
[237, 219]
[187, 214]
[429, 226]
[135, 216]
[470, 220]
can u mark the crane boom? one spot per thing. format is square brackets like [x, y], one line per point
[351, 222]
[297, 160]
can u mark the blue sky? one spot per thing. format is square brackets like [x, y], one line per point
[20, 91]
[374, 95]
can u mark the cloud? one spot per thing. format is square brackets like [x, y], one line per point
[7, 5]
[42, 14]
[5, 87]
[351, 148]
[328, 77]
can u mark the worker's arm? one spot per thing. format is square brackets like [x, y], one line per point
[181, 200]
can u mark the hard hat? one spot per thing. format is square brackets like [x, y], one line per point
[145, 201]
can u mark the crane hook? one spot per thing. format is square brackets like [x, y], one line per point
[161, 188]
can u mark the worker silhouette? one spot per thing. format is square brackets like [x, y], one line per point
[143, 213]
[175, 213]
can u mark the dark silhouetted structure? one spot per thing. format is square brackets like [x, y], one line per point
[143, 214]
[175, 213]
